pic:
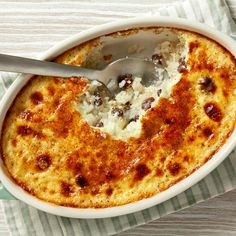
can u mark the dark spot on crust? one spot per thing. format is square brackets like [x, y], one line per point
[109, 191]
[169, 121]
[26, 115]
[36, 98]
[225, 93]
[158, 59]
[186, 158]
[66, 189]
[97, 99]
[191, 138]
[51, 90]
[147, 103]
[182, 68]
[193, 45]
[125, 81]
[210, 66]
[213, 111]
[208, 132]
[109, 175]
[56, 80]
[99, 124]
[43, 161]
[141, 171]
[107, 57]
[81, 181]
[159, 172]
[207, 85]
[117, 112]
[174, 168]
[24, 130]
[14, 142]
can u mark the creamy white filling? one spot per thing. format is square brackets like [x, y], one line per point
[121, 117]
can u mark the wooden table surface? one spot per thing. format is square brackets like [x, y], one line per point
[29, 27]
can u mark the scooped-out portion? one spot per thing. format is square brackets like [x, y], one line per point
[121, 116]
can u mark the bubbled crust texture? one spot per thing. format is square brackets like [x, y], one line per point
[53, 154]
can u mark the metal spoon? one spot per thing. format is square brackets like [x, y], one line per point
[135, 66]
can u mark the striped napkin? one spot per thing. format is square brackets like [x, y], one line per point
[24, 220]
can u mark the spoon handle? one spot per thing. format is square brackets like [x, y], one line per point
[37, 67]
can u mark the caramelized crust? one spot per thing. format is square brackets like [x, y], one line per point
[56, 156]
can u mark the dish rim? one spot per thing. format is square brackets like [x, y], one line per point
[88, 213]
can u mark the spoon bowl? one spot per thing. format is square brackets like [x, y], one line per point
[108, 76]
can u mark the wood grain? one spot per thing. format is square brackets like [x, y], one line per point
[213, 217]
[29, 27]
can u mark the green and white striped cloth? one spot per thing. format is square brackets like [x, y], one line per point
[24, 220]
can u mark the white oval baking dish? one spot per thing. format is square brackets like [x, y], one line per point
[97, 31]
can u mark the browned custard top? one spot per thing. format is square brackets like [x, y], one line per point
[52, 153]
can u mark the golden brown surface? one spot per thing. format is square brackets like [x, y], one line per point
[53, 154]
